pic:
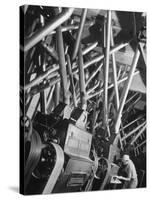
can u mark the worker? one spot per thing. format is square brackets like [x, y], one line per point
[130, 180]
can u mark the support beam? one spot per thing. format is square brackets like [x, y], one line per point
[92, 75]
[99, 58]
[114, 73]
[89, 48]
[139, 134]
[133, 131]
[132, 122]
[79, 34]
[82, 79]
[110, 86]
[141, 144]
[56, 67]
[49, 73]
[44, 31]
[126, 90]
[71, 81]
[62, 64]
[106, 69]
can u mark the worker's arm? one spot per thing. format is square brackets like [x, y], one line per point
[123, 178]
[128, 178]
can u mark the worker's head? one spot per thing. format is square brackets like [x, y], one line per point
[125, 159]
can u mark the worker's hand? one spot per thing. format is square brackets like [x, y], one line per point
[117, 177]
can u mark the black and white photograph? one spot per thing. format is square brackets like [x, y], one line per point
[83, 99]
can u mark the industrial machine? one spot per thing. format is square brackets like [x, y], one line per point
[82, 97]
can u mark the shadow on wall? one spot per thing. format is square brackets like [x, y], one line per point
[14, 189]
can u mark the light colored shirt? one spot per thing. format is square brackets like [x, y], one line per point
[130, 170]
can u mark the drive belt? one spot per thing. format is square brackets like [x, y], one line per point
[56, 170]
[33, 157]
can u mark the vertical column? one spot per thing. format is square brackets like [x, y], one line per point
[106, 70]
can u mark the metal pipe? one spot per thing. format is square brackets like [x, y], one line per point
[66, 28]
[133, 122]
[119, 72]
[128, 100]
[57, 93]
[41, 65]
[94, 73]
[50, 95]
[94, 118]
[81, 79]
[43, 102]
[106, 70]
[99, 58]
[62, 64]
[79, 34]
[57, 79]
[56, 67]
[133, 131]
[114, 72]
[53, 24]
[89, 48]
[93, 88]
[51, 51]
[43, 95]
[124, 71]
[104, 34]
[41, 77]
[131, 105]
[110, 86]
[140, 144]
[126, 89]
[138, 135]
[72, 27]
[122, 131]
[71, 81]
[40, 88]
